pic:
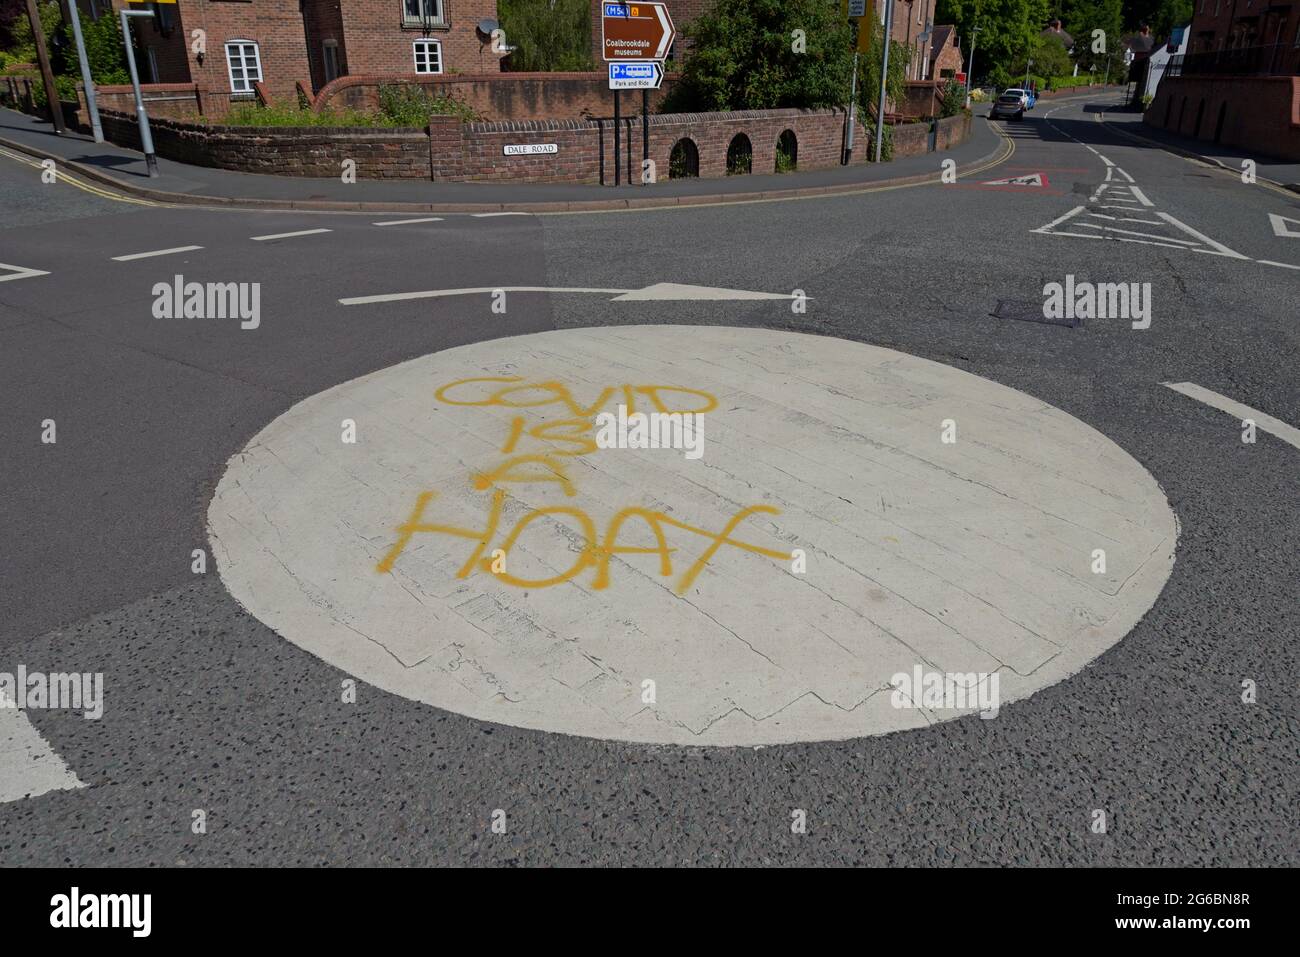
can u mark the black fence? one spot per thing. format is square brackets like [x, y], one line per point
[1277, 59]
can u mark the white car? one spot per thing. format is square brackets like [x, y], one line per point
[1027, 97]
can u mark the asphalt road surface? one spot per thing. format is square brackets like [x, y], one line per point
[1181, 726]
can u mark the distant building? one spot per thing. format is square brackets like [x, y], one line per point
[1054, 30]
[1238, 83]
[280, 43]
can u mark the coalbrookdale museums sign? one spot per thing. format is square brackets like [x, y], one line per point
[636, 31]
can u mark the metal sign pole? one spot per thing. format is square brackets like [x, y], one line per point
[645, 131]
[618, 140]
[146, 139]
[86, 79]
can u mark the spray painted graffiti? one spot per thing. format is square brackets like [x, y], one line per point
[574, 437]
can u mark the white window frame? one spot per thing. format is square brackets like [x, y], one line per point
[438, 18]
[243, 65]
[429, 45]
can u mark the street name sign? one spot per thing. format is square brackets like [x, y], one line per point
[529, 149]
[635, 75]
[635, 31]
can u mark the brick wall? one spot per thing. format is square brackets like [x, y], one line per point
[501, 96]
[452, 151]
[379, 153]
[1260, 113]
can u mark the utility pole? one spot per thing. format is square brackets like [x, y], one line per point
[884, 74]
[47, 74]
[86, 79]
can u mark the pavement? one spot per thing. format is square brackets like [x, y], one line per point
[341, 676]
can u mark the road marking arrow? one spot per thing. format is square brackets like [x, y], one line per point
[1029, 179]
[21, 272]
[661, 292]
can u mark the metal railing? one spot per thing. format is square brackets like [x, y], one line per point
[1276, 59]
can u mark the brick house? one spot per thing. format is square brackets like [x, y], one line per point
[283, 42]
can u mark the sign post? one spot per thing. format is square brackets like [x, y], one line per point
[86, 79]
[635, 39]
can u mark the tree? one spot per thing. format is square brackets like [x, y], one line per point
[900, 56]
[547, 35]
[1008, 28]
[766, 54]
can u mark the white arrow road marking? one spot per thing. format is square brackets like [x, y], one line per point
[1219, 248]
[301, 232]
[156, 252]
[28, 765]
[405, 222]
[1287, 433]
[21, 272]
[1280, 227]
[663, 291]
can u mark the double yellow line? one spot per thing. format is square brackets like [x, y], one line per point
[62, 176]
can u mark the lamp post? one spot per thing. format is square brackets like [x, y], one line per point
[884, 75]
[146, 139]
[86, 80]
[970, 65]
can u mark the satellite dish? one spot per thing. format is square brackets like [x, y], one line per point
[486, 26]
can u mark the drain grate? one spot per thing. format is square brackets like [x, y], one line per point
[1022, 310]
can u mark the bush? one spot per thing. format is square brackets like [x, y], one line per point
[105, 53]
[952, 100]
[251, 114]
[408, 104]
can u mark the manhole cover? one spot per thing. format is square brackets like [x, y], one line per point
[1023, 311]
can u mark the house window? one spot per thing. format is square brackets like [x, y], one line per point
[330, 55]
[423, 12]
[244, 65]
[428, 56]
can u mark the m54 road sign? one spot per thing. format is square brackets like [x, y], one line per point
[635, 31]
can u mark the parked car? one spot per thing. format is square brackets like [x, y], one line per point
[1009, 104]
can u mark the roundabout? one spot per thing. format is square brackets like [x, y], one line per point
[856, 514]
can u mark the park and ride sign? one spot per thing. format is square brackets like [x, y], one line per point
[635, 31]
[635, 75]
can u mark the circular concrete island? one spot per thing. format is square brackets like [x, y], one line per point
[840, 540]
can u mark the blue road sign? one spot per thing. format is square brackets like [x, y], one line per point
[635, 75]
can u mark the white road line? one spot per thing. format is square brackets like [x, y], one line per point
[28, 765]
[156, 252]
[1287, 433]
[1115, 239]
[1127, 177]
[1058, 220]
[1103, 159]
[656, 292]
[1218, 248]
[1269, 262]
[487, 215]
[1126, 219]
[301, 232]
[1134, 232]
[21, 272]
[1280, 227]
[405, 222]
[1141, 195]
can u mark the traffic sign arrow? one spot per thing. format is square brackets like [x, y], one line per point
[636, 31]
[635, 75]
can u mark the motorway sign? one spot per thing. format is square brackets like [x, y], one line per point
[635, 31]
[635, 74]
